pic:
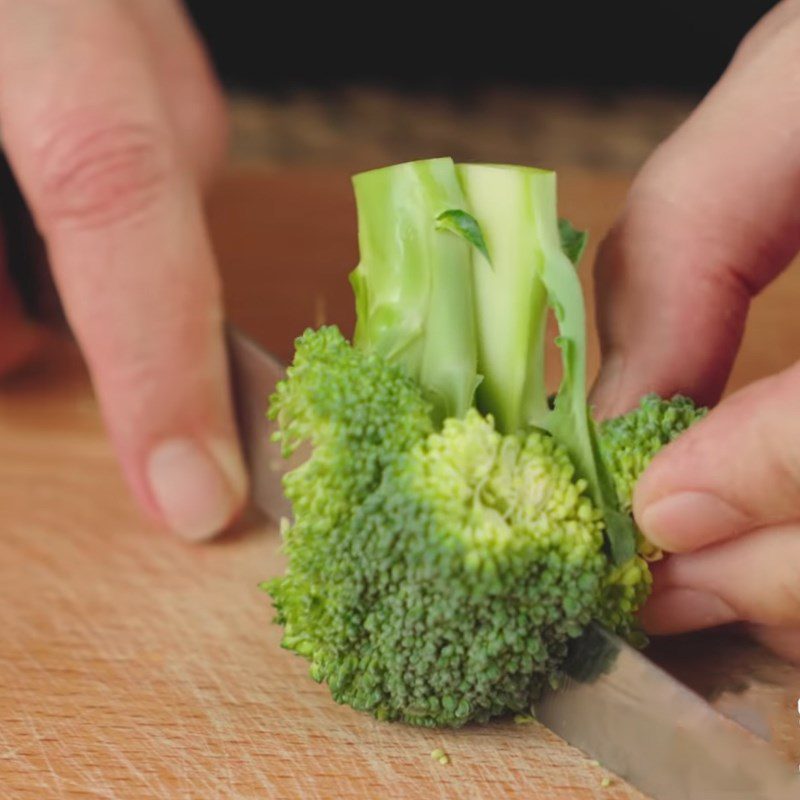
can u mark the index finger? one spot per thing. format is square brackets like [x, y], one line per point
[120, 210]
[711, 219]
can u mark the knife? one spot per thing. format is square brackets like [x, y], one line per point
[616, 704]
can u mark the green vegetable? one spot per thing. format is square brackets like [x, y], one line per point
[465, 225]
[452, 533]
[414, 296]
[573, 242]
[629, 443]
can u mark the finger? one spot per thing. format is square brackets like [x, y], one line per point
[711, 219]
[680, 610]
[736, 470]
[760, 38]
[755, 579]
[120, 212]
[192, 94]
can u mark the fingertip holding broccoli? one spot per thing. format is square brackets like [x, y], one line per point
[452, 532]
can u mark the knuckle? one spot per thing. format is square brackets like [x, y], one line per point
[94, 173]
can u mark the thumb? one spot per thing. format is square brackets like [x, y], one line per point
[726, 498]
[735, 471]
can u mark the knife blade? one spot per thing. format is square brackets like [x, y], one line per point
[254, 375]
[656, 733]
[616, 704]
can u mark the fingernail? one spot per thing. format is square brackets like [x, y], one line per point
[690, 520]
[193, 488]
[678, 610]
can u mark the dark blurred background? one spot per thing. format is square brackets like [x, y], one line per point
[557, 83]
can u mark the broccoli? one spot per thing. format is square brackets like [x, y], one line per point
[629, 442]
[454, 531]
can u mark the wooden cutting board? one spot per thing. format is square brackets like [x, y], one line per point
[135, 666]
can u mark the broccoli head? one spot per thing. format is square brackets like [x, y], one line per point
[452, 531]
[446, 585]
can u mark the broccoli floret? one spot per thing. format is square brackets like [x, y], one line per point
[629, 442]
[356, 410]
[452, 532]
[449, 590]
[359, 414]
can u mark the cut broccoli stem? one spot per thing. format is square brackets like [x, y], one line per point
[413, 290]
[516, 209]
[510, 299]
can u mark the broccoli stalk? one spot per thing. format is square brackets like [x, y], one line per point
[467, 311]
[414, 299]
[531, 272]
[510, 297]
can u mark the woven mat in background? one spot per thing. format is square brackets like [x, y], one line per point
[359, 128]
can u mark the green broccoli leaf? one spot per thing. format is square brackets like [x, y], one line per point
[570, 420]
[573, 242]
[464, 225]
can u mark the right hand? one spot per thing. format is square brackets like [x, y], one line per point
[711, 219]
[113, 124]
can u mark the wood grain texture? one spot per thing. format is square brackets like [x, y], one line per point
[134, 666]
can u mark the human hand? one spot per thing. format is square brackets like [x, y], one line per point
[113, 124]
[711, 219]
